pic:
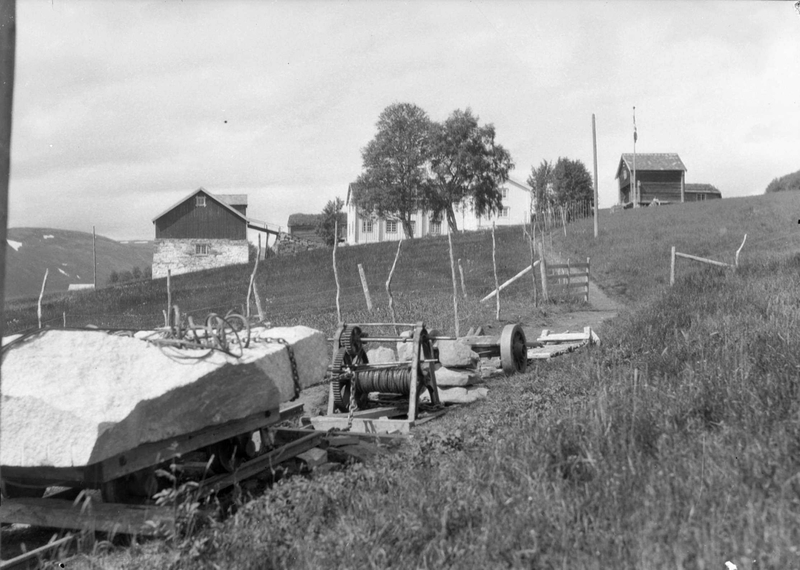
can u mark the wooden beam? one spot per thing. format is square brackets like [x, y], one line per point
[103, 517]
[325, 423]
[702, 259]
[27, 558]
[510, 281]
[262, 463]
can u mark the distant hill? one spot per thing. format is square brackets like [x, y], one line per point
[68, 256]
[788, 182]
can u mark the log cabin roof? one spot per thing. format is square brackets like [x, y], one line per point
[702, 188]
[651, 161]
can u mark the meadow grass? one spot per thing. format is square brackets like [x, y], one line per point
[581, 463]
[631, 257]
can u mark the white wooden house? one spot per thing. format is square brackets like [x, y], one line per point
[366, 228]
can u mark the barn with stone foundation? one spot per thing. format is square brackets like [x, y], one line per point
[201, 231]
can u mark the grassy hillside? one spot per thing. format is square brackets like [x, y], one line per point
[68, 256]
[301, 289]
[631, 257]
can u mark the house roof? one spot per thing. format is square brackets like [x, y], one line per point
[302, 220]
[651, 161]
[218, 199]
[702, 188]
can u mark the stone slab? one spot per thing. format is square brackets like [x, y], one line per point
[446, 377]
[381, 354]
[72, 398]
[456, 354]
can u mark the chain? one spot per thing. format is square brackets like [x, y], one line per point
[295, 375]
[353, 405]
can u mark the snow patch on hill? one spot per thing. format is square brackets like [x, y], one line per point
[15, 244]
[63, 272]
[48, 236]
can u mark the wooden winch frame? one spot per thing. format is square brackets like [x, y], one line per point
[350, 339]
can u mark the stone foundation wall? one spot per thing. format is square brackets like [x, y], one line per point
[179, 255]
[287, 244]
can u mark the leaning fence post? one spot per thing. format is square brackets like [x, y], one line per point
[365, 287]
[672, 268]
[455, 284]
[169, 300]
[543, 268]
[587, 279]
[463, 283]
[388, 287]
[335, 271]
[494, 263]
[41, 294]
[739, 250]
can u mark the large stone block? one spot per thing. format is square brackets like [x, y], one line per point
[459, 395]
[455, 353]
[456, 376]
[73, 398]
[381, 354]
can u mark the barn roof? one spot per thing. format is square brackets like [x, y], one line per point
[651, 161]
[702, 188]
[218, 199]
[302, 220]
[233, 199]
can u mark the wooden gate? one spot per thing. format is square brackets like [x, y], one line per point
[568, 280]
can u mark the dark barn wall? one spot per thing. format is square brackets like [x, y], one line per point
[661, 185]
[187, 221]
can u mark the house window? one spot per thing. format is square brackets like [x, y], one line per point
[436, 228]
[413, 228]
[701, 197]
[504, 212]
[504, 192]
[366, 226]
[200, 202]
[201, 249]
[391, 226]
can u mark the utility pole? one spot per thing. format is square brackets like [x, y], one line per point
[596, 192]
[94, 256]
[634, 189]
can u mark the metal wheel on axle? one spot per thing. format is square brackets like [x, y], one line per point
[341, 386]
[513, 352]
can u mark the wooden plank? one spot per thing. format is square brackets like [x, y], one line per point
[151, 454]
[380, 437]
[28, 557]
[702, 259]
[261, 463]
[562, 337]
[570, 266]
[382, 412]
[103, 517]
[325, 423]
[555, 285]
[547, 352]
[45, 476]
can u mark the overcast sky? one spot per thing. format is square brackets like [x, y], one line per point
[122, 108]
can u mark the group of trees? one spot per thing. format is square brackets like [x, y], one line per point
[415, 163]
[133, 275]
[560, 183]
[784, 183]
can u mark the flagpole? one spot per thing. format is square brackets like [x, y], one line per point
[634, 191]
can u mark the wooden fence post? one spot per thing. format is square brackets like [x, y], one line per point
[41, 294]
[365, 287]
[736, 261]
[587, 278]
[455, 285]
[168, 317]
[672, 268]
[494, 263]
[463, 282]
[543, 268]
[335, 271]
[389, 290]
[531, 242]
[261, 316]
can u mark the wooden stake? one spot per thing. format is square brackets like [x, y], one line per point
[389, 290]
[64, 315]
[739, 250]
[251, 286]
[532, 242]
[587, 278]
[494, 263]
[41, 294]
[336, 272]
[169, 299]
[672, 267]
[510, 281]
[365, 287]
[455, 285]
[463, 282]
[543, 269]
[596, 190]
